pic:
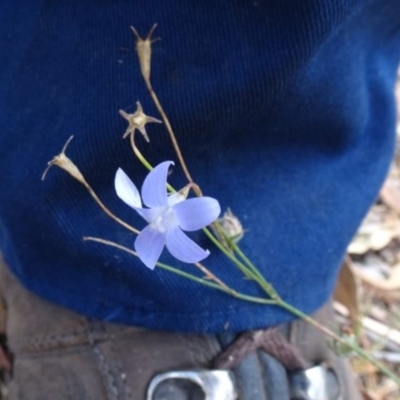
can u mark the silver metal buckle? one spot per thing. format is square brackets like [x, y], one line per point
[216, 384]
[318, 388]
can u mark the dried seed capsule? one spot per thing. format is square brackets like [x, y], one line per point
[143, 49]
[138, 120]
[63, 162]
[231, 226]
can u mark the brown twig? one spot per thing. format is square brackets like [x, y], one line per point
[64, 162]
[209, 275]
[143, 49]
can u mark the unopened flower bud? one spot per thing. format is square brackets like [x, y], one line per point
[231, 226]
[184, 192]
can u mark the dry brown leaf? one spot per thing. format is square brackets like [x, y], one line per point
[380, 239]
[373, 238]
[390, 254]
[390, 193]
[368, 395]
[377, 313]
[346, 291]
[386, 387]
[389, 284]
[363, 367]
[371, 325]
[388, 296]
[377, 230]
[382, 330]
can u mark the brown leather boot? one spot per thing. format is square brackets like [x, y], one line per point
[60, 355]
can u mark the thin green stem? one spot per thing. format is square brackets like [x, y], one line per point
[248, 273]
[246, 267]
[138, 154]
[187, 275]
[254, 274]
[357, 349]
[234, 246]
[286, 306]
[143, 159]
[237, 249]
[230, 291]
[266, 285]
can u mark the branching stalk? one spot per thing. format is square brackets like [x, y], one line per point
[357, 349]
[186, 275]
[169, 129]
[227, 246]
[108, 212]
[144, 51]
[209, 276]
[248, 273]
[63, 162]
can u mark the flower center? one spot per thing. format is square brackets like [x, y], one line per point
[165, 220]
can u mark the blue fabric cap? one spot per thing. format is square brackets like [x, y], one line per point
[284, 111]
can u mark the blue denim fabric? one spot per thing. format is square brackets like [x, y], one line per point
[284, 110]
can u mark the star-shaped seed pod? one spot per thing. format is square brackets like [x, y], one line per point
[138, 120]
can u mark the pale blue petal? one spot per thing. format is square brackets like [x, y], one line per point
[183, 248]
[194, 214]
[126, 189]
[149, 214]
[175, 198]
[149, 245]
[154, 190]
